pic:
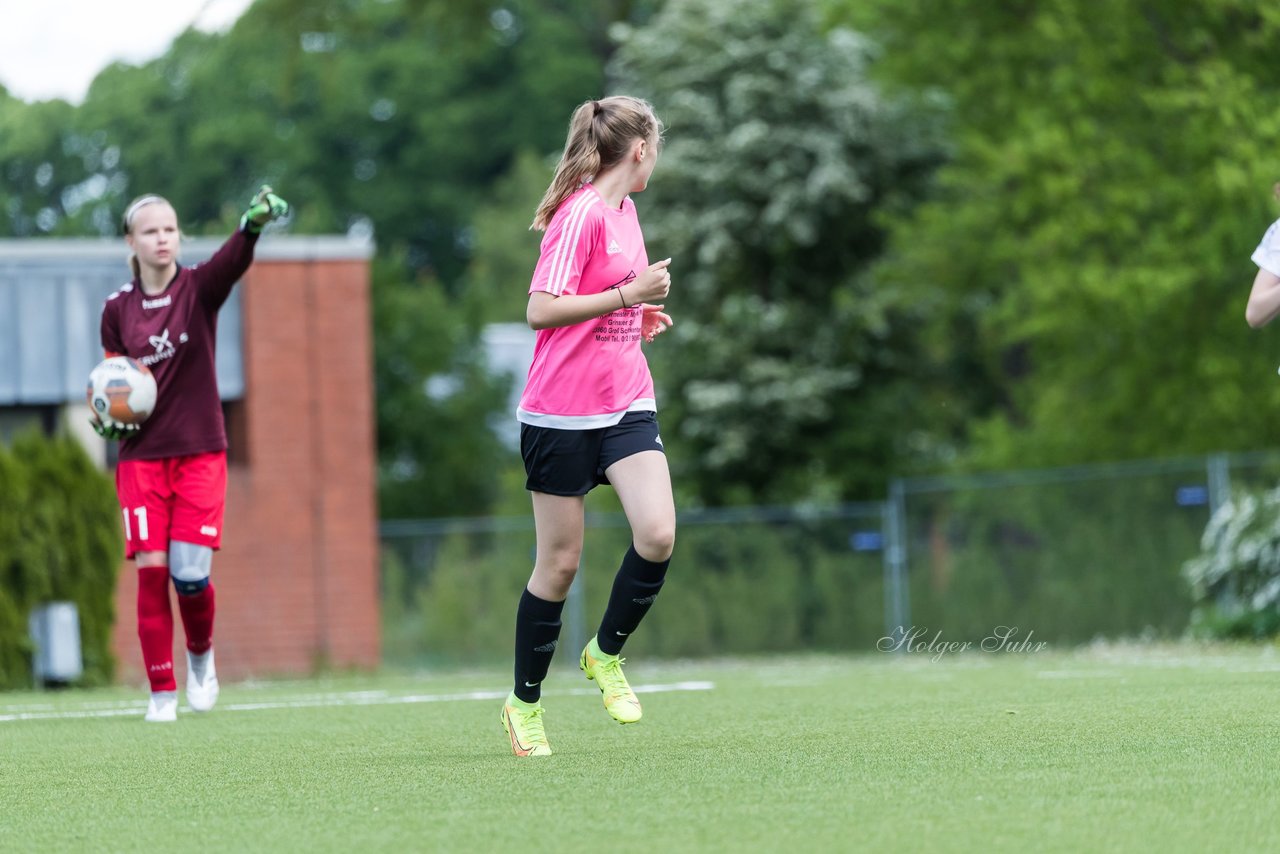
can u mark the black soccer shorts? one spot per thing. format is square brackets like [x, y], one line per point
[573, 462]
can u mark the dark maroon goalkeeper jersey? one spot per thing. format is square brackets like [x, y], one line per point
[174, 334]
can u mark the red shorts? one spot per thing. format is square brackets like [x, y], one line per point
[177, 498]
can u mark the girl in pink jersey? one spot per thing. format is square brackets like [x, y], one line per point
[588, 414]
[172, 475]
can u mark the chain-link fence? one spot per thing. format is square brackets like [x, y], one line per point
[1064, 555]
[1060, 555]
[760, 579]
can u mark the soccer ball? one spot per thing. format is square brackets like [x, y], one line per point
[122, 390]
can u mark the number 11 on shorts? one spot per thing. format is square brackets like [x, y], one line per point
[141, 513]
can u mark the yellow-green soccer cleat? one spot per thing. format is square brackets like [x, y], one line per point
[523, 723]
[619, 700]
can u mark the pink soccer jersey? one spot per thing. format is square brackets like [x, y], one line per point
[590, 374]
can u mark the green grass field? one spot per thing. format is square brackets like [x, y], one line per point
[1119, 748]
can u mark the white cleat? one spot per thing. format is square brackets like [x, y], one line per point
[202, 681]
[163, 708]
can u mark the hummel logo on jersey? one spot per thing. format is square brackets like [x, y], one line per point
[164, 348]
[614, 248]
[167, 299]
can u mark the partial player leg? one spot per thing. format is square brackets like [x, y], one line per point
[635, 588]
[558, 521]
[200, 488]
[155, 632]
[190, 566]
[643, 484]
[537, 634]
[143, 487]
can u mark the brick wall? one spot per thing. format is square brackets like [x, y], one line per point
[297, 575]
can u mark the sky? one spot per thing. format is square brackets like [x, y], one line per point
[54, 48]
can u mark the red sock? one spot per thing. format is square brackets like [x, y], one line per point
[155, 626]
[197, 619]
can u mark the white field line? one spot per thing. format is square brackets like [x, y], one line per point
[119, 708]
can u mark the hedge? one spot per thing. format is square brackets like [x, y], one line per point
[60, 540]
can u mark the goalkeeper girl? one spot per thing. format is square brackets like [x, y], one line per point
[588, 414]
[172, 474]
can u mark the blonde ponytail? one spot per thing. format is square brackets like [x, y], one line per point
[600, 133]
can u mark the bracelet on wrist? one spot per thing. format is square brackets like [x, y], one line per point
[624, 299]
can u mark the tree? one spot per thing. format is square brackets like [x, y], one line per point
[435, 400]
[43, 171]
[789, 373]
[496, 283]
[1086, 253]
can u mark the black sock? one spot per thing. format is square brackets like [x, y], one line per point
[634, 588]
[537, 629]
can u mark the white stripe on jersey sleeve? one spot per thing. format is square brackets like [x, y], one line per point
[570, 234]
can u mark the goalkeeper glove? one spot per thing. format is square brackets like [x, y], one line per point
[265, 207]
[114, 430]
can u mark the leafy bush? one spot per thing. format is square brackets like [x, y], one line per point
[1235, 580]
[59, 541]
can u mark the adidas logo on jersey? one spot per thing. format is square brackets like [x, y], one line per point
[613, 248]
